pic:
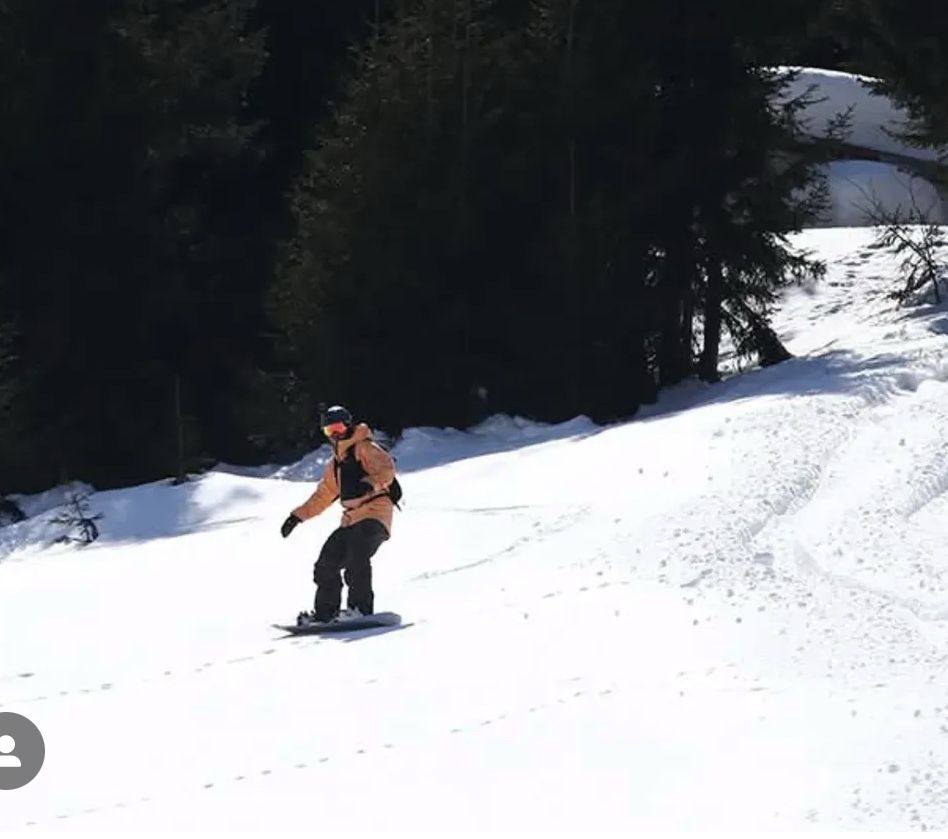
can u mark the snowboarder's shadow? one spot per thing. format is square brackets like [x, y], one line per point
[360, 634]
[351, 635]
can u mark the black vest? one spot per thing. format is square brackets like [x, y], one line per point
[349, 475]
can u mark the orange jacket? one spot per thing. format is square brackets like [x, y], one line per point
[379, 470]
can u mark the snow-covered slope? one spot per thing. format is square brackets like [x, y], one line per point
[875, 121]
[875, 125]
[730, 613]
[860, 189]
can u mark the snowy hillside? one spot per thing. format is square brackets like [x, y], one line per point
[731, 613]
[875, 125]
[875, 121]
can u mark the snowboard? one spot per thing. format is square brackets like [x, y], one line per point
[382, 619]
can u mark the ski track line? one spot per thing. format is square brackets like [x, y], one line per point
[601, 692]
[926, 613]
[611, 689]
[574, 695]
[515, 508]
[790, 494]
[201, 668]
[564, 522]
[288, 643]
[558, 526]
[792, 500]
[932, 485]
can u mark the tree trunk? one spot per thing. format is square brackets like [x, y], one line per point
[677, 295]
[708, 366]
[429, 79]
[670, 349]
[762, 339]
[571, 100]
[466, 77]
[179, 427]
[770, 349]
[688, 322]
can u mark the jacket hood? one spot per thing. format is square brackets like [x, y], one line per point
[359, 434]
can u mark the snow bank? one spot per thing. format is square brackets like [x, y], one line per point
[43, 502]
[426, 447]
[162, 510]
[856, 185]
[875, 123]
[875, 120]
[308, 468]
[152, 511]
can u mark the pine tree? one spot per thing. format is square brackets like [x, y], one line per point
[200, 60]
[522, 212]
[385, 222]
[721, 171]
[10, 426]
[762, 183]
[906, 47]
[122, 253]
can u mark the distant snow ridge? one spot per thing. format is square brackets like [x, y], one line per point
[51, 499]
[39, 529]
[425, 447]
[857, 185]
[883, 167]
[876, 120]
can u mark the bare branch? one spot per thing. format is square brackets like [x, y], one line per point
[78, 517]
[911, 234]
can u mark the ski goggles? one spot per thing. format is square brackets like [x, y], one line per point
[334, 429]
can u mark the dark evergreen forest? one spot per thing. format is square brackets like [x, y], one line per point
[215, 214]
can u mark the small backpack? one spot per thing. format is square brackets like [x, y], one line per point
[395, 488]
[395, 492]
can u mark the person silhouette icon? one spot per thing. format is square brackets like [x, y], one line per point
[8, 760]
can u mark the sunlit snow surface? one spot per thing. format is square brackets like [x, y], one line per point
[874, 120]
[858, 189]
[730, 613]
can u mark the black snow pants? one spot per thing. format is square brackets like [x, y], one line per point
[348, 549]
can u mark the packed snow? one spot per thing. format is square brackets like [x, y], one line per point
[728, 613]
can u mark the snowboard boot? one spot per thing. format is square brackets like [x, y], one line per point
[308, 619]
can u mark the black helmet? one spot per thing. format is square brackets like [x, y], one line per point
[335, 422]
[335, 414]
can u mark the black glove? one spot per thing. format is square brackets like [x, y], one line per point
[291, 521]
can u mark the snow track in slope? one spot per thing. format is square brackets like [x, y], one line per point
[727, 614]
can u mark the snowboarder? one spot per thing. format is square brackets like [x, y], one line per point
[361, 475]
